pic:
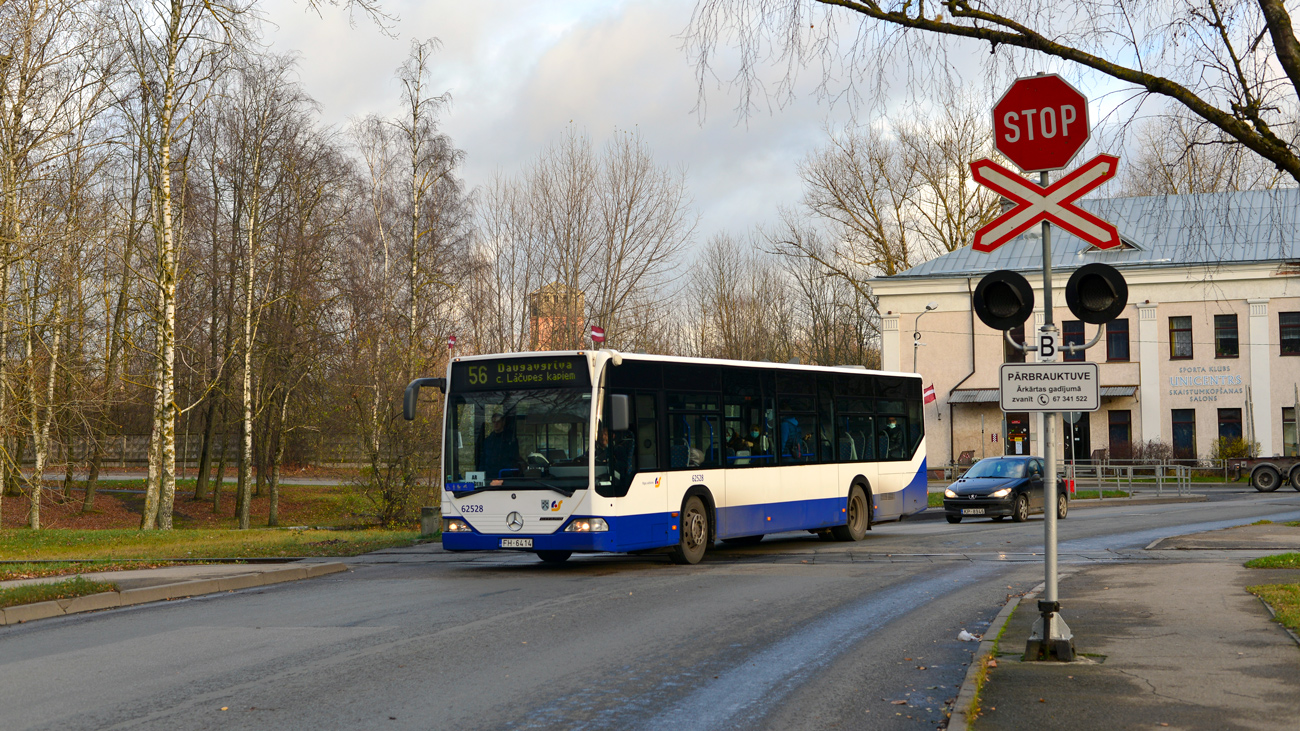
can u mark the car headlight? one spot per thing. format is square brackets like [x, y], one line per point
[949, 493]
[1001, 493]
[587, 525]
[455, 525]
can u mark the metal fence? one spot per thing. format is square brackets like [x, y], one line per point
[1125, 478]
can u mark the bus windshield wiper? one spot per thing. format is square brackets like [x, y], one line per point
[557, 488]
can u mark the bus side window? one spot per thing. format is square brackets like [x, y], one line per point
[647, 433]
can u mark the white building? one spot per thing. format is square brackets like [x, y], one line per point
[1208, 346]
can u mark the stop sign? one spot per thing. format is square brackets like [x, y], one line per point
[1041, 123]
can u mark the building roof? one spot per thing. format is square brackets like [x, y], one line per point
[1169, 230]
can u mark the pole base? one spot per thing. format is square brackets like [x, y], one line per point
[1050, 638]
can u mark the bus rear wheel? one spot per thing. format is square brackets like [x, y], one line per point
[693, 530]
[554, 556]
[858, 514]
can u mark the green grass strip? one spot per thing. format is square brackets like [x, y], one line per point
[12, 571]
[69, 589]
[1284, 599]
[127, 544]
[1280, 561]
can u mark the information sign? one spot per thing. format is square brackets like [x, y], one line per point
[1049, 387]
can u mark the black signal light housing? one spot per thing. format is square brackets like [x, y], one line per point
[1004, 299]
[1096, 293]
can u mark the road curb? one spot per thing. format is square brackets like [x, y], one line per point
[958, 721]
[1273, 614]
[164, 592]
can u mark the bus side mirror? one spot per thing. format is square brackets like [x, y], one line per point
[620, 409]
[413, 394]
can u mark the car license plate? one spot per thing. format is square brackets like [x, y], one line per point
[527, 542]
[972, 511]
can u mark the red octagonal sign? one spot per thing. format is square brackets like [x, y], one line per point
[1041, 123]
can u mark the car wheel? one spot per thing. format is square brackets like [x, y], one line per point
[855, 528]
[1062, 507]
[694, 532]
[1265, 479]
[554, 556]
[953, 518]
[742, 541]
[1020, 511]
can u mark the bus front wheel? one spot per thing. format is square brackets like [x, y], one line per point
[693, 530]
[858, 517]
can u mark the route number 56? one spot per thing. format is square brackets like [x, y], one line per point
[478, 375]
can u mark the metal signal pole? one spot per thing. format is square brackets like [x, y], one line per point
[1051, 637]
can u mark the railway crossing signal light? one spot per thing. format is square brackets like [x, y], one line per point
[1004, 299]
[1096, 293]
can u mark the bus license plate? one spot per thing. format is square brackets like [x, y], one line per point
[972, 511]
[521, 542]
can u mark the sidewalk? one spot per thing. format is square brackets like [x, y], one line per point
[1162, 644]
[142, 586]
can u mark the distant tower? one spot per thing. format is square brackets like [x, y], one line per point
[555, 317]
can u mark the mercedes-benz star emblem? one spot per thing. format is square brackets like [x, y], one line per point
[514, 521]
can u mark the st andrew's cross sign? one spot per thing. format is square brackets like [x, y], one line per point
[1055, 203]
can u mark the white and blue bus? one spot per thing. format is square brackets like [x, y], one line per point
[592, 451]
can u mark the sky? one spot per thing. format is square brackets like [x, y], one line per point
[519, 73]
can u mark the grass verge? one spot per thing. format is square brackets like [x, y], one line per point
[12, 571]
[1279, 561]
[70, 589]
[123, 545]
[1284, 599]
[1092, 494]
[936, 500]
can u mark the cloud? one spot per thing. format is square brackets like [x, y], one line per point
[520, 73]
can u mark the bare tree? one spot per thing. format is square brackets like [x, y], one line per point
[1235, 66]
[1179, 154]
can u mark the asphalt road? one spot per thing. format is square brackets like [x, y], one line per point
[792, 633]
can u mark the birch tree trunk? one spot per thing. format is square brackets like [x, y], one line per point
[246, 451]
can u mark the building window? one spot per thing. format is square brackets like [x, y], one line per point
[1184, 423]
[1289, 327]
[1121, 434]
[1289, 446]
[1230, 423]
[1011, 354]
[1072, 334]
[1180, 338]
[1225, 336]
[1117, 339]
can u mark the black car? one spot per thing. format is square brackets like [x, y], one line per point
[999, 487]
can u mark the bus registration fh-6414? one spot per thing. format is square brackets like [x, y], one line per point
[596, 451]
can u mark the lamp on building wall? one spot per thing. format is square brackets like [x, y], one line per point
[916, 332]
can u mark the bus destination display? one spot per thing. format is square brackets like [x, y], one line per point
[509, 373]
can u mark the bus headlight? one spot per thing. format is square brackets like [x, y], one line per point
[454, 525]
[1001, 493]
[587, 525]
[949, 493]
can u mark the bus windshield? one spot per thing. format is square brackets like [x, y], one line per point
[519, 439]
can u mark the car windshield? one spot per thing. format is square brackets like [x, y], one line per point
[519, 438]
[998, 468]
